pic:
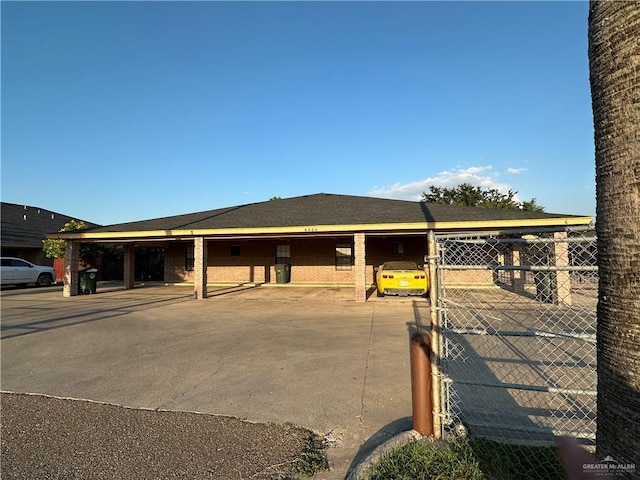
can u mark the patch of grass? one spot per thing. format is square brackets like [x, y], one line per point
[502, 461]
[314, 457]
[422, 461]
[468, 459]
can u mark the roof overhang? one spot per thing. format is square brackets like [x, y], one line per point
[312, 230]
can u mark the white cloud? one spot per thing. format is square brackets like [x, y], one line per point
[516, 171]
[478, 176]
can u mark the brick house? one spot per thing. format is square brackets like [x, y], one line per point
[326, 239]
[24, 228]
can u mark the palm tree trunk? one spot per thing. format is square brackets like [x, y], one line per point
[614, 63]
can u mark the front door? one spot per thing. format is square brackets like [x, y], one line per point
[149, 264]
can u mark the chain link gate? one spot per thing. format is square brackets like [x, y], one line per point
[516, 314]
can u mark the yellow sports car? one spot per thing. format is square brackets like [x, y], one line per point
[401, 278]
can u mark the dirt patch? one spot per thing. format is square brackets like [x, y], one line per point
[47, 437]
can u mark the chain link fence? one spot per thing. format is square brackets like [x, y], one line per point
[517, 323]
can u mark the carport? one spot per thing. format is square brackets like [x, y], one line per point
[325, 239]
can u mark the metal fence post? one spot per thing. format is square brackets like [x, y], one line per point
[436, 387]
[421, 384]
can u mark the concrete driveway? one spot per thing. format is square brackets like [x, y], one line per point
[309, 356]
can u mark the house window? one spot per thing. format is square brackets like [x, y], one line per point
[397, 248]
[344, 256]
[234, 251]
[283, 254]
[190, 259]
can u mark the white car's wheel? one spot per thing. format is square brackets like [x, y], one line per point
[44, 280]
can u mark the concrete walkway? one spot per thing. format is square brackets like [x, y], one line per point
[309, 356]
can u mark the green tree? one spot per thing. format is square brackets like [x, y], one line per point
[531, 206]
[54, 248]
[474, 196]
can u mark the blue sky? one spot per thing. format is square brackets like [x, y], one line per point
[118, 111]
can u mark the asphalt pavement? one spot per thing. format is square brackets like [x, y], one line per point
[311, 357]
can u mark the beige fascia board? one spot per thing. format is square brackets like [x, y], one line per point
[530, 223]
[318, 229]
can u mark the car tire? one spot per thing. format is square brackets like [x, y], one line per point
[44, 280]
[379, 294]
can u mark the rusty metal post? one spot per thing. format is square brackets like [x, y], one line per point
[421, 383]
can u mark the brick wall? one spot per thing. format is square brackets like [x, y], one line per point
[240, 261]
[468, 277]
[174, 263]
[312, 260]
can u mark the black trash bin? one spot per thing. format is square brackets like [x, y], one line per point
[283, 273]
[88, 281]
[544, 287]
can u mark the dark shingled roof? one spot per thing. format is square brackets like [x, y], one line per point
[324, 209]
[25, 226]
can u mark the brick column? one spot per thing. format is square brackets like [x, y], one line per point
[563, 277]
[71, 276]
[129, 265]
[360, 267]
[517, 276]
[200, 269]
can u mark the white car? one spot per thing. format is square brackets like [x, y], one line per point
[16, 271]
